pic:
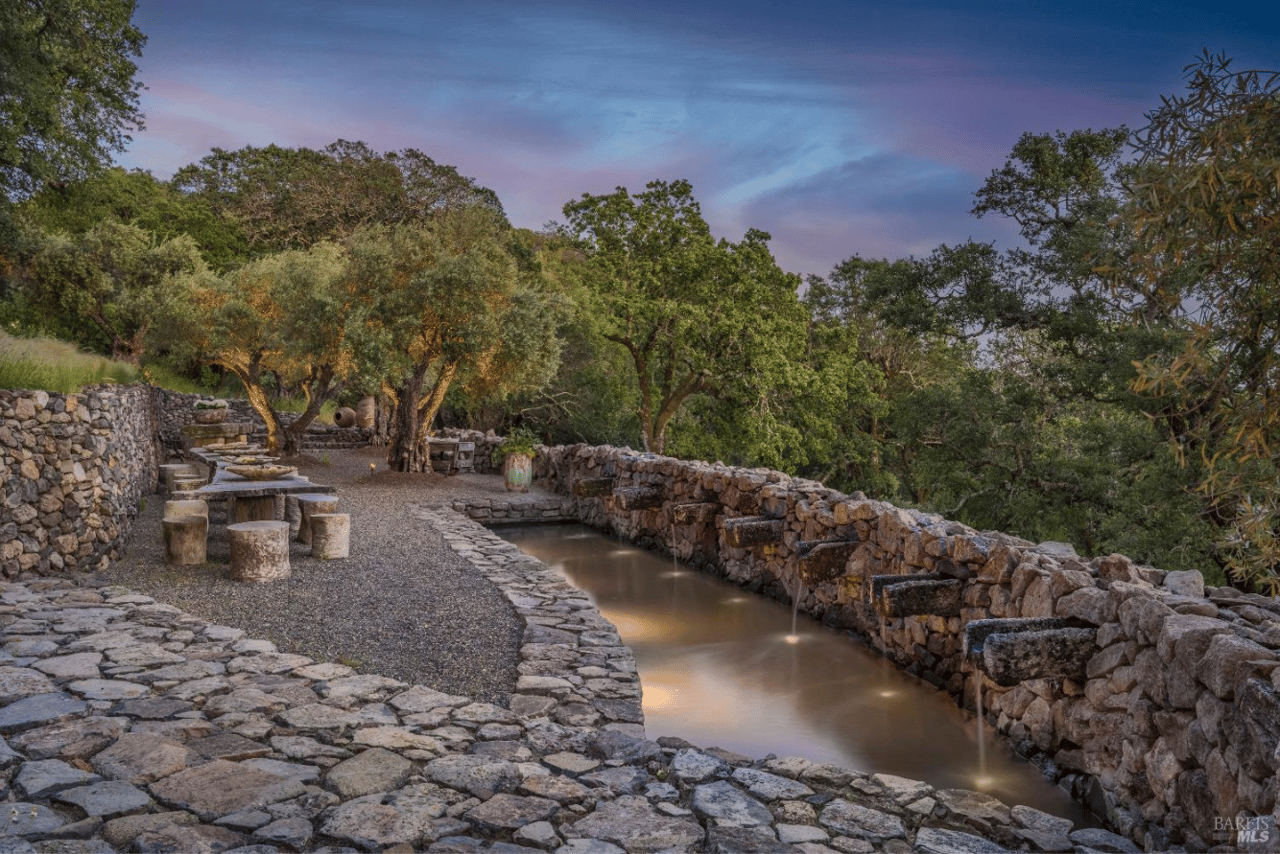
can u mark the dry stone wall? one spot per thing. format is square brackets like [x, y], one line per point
[73, 468]
[1150, 696]
[175, 411]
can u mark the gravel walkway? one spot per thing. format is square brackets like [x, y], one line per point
[403, 605]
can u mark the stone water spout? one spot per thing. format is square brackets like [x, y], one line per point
[749, 531]
[1015, 650]
[593, 487]
[637, 497]
[914, 595]
[824, 561]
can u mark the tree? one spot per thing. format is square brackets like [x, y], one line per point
[697, 316]
[454, 306]
[109, 284]
[136, 198]
[68, 97]
[1204, 208]
[286, 198]
[297, 316]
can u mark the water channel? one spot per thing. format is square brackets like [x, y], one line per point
[721, 667]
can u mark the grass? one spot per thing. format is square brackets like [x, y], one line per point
[47, 364]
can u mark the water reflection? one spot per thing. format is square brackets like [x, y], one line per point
[721, 668]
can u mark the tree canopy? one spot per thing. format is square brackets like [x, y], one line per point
[698, 316]
[68, 97]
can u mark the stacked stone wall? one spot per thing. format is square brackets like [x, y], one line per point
[175, 411]
[1166, 720]
[73, 468]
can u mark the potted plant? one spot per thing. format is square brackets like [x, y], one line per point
[517, 452]
[211, 411]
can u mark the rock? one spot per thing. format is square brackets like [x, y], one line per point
[106, 799]
[631, 822]
[624, 780]
[19, 682]
[373, 826]
[589, 846]
[22, 819]
[935, 840]
[44, 777]
[229, 746]
[861, 822]
[694, 766]
[507, 812]
[192, 839]
[481, 776]
[396, 738]
[120, 832]
[140, 759]
[901, 789]
[1034, 819]
[572, 764]
[796, 833]
[220, 787]
[1103, 840]
[107, 689]
[560, 789]
[39, 710]
[771, 787]
[1187, 582]
[80, 665]
[72, 739]
[293, 833]
[538, 834]
[727, 806]
[745, 840]
[374, 770]
[975, 805]
[1227, 660]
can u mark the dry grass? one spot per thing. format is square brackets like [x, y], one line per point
[50, 365]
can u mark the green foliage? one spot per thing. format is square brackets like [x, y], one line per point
[67, 92]
[1204, 208]
[287, 198]
[138, 199]
[109, 284]
[51, 365]
[697, 316]
[520, 440]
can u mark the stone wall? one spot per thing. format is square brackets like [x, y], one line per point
[175, 411]
[1142, 692]
[73, 468]
[518, 509]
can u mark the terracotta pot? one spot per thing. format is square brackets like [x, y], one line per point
[517, 472]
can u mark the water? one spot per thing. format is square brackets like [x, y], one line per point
[720, 668]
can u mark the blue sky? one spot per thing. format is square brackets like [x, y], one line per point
[839, 127]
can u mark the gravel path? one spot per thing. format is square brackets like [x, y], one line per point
[403, 605]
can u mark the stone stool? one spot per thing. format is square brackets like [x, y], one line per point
[330, 535]
[185, 539]
[186, 483]
[259, 551]
[179, 507]
[313, 502]
[170, 471]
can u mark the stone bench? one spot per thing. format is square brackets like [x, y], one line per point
[330, 535]
[170, 472]
[259, 551]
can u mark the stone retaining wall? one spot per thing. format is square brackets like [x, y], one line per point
[73, 468]
[518, 510]
[1164, 715]
[175, 411]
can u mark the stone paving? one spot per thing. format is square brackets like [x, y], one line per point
[128, 725]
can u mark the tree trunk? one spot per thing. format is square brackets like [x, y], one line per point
[277, 439]
[404, 453]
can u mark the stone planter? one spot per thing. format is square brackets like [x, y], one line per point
[517, 472]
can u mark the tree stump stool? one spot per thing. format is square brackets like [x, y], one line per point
[330, 535]
[170, 471]
[185, 539]
[259, 551]
[186, 483]
[313, 502]
[179, 507]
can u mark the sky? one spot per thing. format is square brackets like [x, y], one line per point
[841, 127]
